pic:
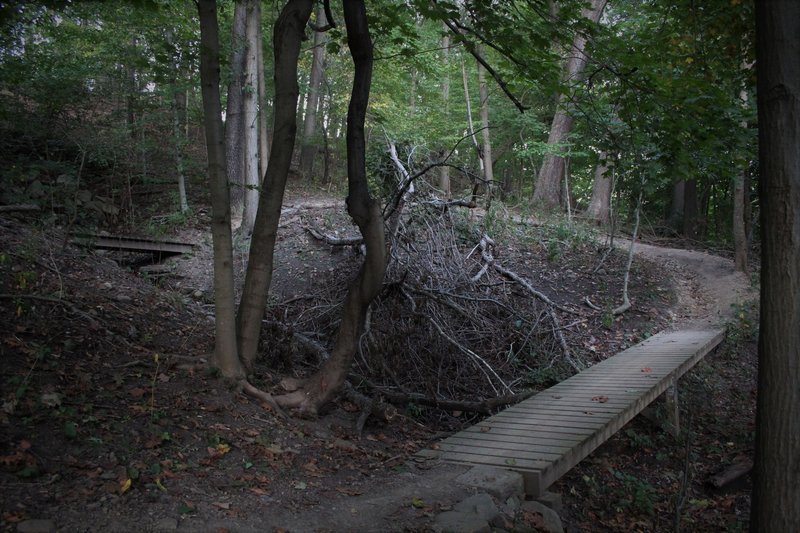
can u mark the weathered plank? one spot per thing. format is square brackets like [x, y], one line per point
[131, 244]
[547, 434]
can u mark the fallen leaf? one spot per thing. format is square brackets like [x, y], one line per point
[600, 399]
[125, 486]
[647, 370]
[222, 505]
[137, 392]
[417, 503]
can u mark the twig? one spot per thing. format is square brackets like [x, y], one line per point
[588, 302]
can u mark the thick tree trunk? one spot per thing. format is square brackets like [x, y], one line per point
[309, 148]
[225, 353]
[776, 488]
[444, 171]
[691, 210]
[252, 179]
[599, 209]
[366, 213]
[547, 193]
[675, 219]
[234, 110]
[486, 154]
[287, 37]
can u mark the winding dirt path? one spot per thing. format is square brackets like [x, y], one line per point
[708, 287]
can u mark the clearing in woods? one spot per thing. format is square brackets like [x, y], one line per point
[111, 420]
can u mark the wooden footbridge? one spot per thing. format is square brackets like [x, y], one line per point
[546, 435]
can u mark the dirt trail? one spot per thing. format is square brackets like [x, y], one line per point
[708, 287]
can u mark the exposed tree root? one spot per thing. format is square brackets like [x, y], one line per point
[332, 240]
[264, 397]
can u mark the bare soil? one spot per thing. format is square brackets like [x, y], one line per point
[112, 421]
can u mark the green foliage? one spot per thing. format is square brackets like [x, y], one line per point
[636, 495]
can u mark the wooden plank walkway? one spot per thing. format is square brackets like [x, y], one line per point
[132, 244]
[546, 435]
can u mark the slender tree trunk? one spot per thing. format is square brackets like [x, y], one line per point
[548, 186]
[776, 487]
[599, 209]
[486, 154]
[287, 37]
[183, 202]
[308, 151]
[234, 110]
[366, 213]
[444, 171]
[131, 96]
[471, 126]
[739, 234]
[263, 134]
[225, 352]
[739, 230]
[252, 179]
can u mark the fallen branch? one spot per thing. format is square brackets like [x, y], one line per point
[735, 471]
[18, 208]
[369, 407]
[59, 301]
[333, 241]
[486, 241]
[483, 407]
[588, 302]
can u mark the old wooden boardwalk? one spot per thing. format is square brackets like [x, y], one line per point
[546, 435]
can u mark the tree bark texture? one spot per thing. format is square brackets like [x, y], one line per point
[486, 154]
[309, 147]
[675, 220]
[287, 37]
[599, 209]
[547, 193]
[252, 180]
[739, 233]
[263, 134]
[225, 352]
[776, 488]
[366, 213]
[234, 109]
[691, 210]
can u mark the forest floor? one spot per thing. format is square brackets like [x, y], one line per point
[112, 421]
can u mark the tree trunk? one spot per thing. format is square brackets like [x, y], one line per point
[309, 150]
[675, 220]
[234, 109]
[471, 126]
[263, 135]
[252, 179]
[776, 488]
[739, 234]
[691, 210]
[225, 353]
[287, 37]
[547, 193]
[366, 213]
[183, 203]
[486, 154]
[444, 171]
[599, 209]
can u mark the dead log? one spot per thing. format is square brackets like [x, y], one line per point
[737, 470]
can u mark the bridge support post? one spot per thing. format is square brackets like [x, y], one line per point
[673, 408]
